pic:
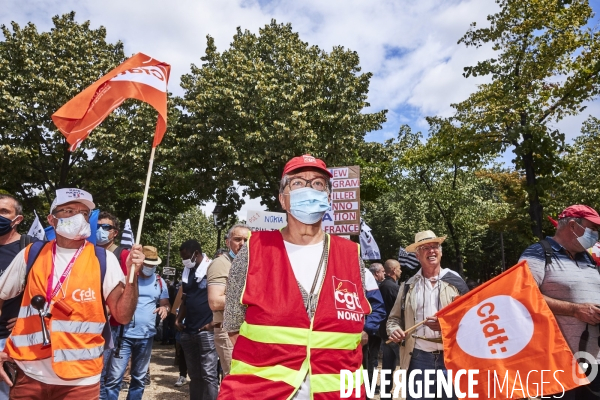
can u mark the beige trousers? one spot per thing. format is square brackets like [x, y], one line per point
[224, 349]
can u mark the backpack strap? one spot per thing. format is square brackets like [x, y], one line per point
[159, 282]
[547, 251]
[24, 241]
[34, 252]
[101, 256]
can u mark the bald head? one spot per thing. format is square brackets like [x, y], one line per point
[392, 268]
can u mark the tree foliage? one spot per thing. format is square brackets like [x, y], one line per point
[437, 195]
[268, 98]
[547, 65]
[39, 72]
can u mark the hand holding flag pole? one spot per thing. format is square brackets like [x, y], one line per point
[140, 77]
[409, 330]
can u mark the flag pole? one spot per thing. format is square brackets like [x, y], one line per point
[138, 236]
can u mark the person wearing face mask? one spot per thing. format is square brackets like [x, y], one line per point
[218, 271]
[76, 279]
[11, 243]
[197, 332]
[108, 228]
[138, 335]
[296, 305]
[569, 281]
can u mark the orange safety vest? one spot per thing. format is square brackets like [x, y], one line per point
[77, 344]
[278, 345]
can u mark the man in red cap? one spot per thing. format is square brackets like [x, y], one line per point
[295, 307]
[569, 281]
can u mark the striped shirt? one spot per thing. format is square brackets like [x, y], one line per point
[574, 280]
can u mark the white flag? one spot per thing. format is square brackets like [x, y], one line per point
[36, 230]
[368, 248]
[127, 236]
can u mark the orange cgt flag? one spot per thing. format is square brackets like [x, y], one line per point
[139, 77]
[505, 330]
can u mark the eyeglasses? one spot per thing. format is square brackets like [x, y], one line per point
[319, 183]
[428, 248]
[69, 212]
[106, 227]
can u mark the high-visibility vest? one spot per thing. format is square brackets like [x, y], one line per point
[77, 345]
[278, 345]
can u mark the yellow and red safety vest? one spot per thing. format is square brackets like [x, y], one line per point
[278, 345]
[77, 344]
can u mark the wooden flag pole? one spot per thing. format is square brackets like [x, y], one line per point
[410, 330]
[138, 236]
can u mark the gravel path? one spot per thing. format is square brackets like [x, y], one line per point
[164, 375]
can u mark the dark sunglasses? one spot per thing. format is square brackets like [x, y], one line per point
[106, 227]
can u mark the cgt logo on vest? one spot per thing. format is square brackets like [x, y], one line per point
[82, 295]
[497, 327]
[347, 302]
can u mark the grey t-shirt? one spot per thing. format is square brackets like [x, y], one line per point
[574, 280]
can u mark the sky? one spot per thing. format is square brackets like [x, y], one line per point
[409, 46]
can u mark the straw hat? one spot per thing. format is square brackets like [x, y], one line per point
[151, 255]
[422, 238]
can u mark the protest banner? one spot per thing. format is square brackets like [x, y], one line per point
[505, 330]
[266, 220]
[343, 217]
[168, 271]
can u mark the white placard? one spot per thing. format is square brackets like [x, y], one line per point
[266, 220]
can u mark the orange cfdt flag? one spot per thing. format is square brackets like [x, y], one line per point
[139, 77]
[505, 330]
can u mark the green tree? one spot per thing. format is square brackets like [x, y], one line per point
[435, 195]
[547, 65]
[268, 98]
[39, 72]
[191, 224]
[577, 180]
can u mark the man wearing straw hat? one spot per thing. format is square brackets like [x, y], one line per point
[137, 337]
[419, 299]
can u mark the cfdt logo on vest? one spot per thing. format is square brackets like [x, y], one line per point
[83, 295]
[347, 302]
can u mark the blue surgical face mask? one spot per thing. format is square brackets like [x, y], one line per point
[148, 271]
[231, 254]
[588, 239]
[308, 205]
[5, 225]
[102, 237]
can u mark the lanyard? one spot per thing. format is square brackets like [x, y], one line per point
[49, 293]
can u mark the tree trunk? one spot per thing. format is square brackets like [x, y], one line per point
[535, 206]
[64, 168]
[459, 257]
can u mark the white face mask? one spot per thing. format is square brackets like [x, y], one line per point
[189, 263]
[74, 228]
[588, 239]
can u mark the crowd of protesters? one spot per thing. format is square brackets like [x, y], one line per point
[275, 315]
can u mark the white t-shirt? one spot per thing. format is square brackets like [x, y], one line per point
[12, 283]
[305, 262]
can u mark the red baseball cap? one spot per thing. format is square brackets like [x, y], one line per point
[305, 161]
[581, 211]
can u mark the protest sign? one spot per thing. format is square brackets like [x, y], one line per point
[343, 218]
[266, 220]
